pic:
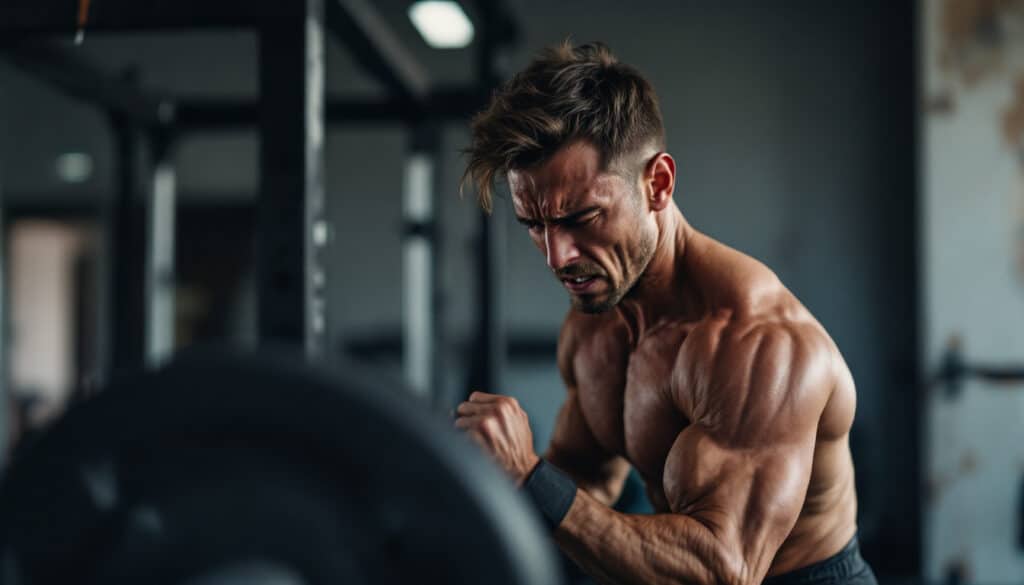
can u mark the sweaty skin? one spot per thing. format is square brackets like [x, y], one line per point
[707, 376]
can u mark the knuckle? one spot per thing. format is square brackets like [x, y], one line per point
[489, 425]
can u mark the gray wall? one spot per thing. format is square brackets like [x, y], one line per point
[791, 125]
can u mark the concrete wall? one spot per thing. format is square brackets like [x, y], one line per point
[971, 236]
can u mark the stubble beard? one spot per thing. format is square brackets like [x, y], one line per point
[593, 306]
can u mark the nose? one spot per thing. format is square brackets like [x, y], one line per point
[559, 248]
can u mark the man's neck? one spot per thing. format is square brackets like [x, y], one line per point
[666, 288]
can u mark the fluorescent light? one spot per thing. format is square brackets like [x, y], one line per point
[74, 167]
[442, 23]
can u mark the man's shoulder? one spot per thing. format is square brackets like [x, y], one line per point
[751, 306]
[743, 371]
[730, 341]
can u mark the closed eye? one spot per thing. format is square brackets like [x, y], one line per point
[572, 220]
[579, 220]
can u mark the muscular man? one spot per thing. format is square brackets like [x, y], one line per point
[683, 358]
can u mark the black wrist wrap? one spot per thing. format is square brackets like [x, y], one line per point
[552, 492]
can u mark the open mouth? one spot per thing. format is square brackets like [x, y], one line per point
[579, 283]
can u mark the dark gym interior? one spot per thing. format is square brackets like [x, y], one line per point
[284, 178]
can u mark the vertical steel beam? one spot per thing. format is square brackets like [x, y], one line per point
[488, 367]
[487, 370]
[5, 395]
[160, 219]
[421, 322]
[291, 228]
[125, 251]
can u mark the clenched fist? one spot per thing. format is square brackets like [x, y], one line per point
[501, 427]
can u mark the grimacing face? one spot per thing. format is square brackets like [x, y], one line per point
[593, 226]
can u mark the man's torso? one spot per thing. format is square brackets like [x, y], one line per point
[636, 400]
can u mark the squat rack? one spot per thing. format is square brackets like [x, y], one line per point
[291, 113]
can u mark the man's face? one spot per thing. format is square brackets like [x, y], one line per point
[593, 226]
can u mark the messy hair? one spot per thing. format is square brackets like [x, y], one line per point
[566, 93]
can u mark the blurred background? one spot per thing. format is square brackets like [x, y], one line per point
[870, 152]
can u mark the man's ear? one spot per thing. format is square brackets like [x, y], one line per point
[660, 180]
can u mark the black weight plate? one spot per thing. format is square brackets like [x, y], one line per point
[226, 463]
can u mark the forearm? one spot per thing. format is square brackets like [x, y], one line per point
[605, 493]
[649, 549]
[603, 480]
[604, 489]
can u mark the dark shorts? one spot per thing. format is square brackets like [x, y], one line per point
[846, 567]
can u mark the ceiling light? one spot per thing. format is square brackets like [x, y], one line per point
[74, 167]
[442, 23]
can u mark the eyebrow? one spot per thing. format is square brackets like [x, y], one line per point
[565, 219]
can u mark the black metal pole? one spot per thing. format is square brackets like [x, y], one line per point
[452, 104]
[487, 370]
[488, 361]
[956, 370]
[292, 229]
[125, 252]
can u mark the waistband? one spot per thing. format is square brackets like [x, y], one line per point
[838, 568]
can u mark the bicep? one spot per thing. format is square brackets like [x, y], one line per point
[743, 467]
[748, 497]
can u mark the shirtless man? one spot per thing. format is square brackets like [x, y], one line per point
[683, 358]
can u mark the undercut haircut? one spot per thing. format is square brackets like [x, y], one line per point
[567, 93]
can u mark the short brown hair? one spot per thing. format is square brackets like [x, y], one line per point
[566, 93]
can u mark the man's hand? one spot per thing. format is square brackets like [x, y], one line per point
[502, 428]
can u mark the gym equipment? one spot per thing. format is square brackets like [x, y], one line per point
[955, 370]
[230, 467]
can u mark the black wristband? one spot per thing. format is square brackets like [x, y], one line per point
[552, 492]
